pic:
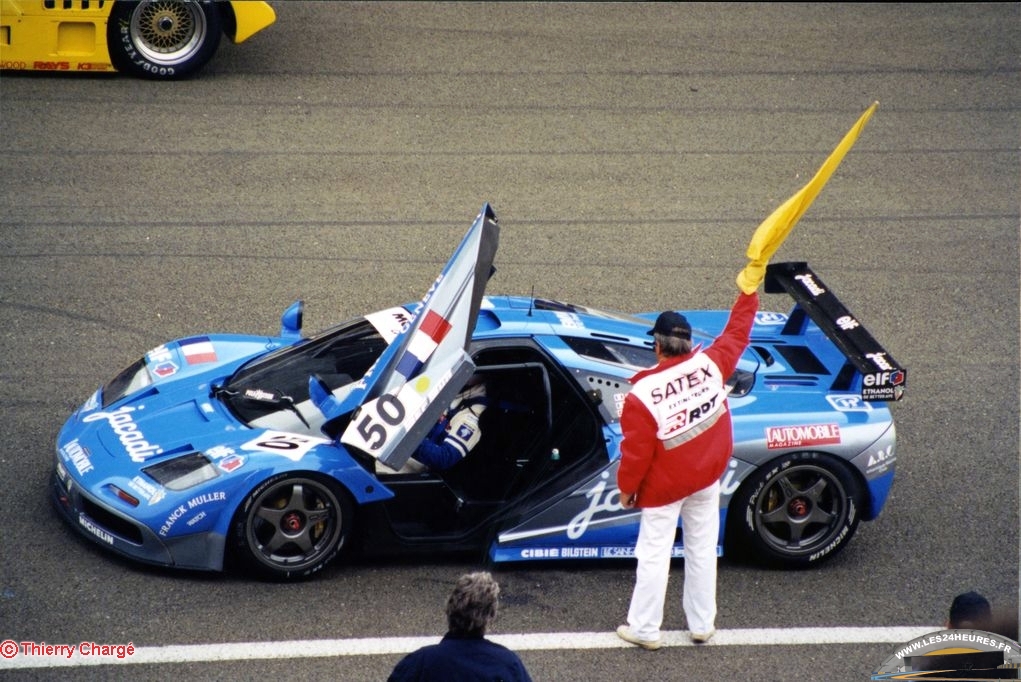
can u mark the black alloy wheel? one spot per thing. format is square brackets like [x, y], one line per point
[795, 511]
[292, 525]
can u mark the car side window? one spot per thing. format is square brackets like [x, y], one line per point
[571, 426]
[623, 354]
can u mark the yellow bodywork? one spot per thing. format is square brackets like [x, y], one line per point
[70, 35]
[250, 18]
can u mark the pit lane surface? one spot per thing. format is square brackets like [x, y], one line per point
[629, 151]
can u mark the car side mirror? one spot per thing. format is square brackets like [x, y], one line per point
[290, 321]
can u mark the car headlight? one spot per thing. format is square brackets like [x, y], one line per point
[134, 377]
[184, 472]
[62, 475]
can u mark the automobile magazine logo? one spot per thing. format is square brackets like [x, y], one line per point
[954, 655]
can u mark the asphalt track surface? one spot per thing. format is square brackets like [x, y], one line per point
[629, 151]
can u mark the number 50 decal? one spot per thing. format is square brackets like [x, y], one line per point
[383, 412]
[289, 445]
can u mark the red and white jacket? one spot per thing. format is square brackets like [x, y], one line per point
[677, 432]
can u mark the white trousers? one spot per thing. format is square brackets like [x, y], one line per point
[700, 516]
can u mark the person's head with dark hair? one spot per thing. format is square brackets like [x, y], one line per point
[472, 604]
[970, 611]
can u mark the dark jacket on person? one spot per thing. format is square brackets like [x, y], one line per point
[461, 659]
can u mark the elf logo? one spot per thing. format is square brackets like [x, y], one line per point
[894, 378]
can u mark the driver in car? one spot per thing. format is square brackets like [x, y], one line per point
[455, 434]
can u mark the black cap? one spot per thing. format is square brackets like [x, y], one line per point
[670, 323]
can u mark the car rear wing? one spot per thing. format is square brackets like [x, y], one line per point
[883, 378]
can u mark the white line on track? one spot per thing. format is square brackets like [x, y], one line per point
[378, 646]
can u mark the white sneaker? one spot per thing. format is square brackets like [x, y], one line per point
[624, 632]
[702, 637]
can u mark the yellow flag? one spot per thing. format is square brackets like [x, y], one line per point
[771, 233]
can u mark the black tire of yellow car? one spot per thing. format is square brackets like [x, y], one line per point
[291, 526]
[163, 39]
[795, 511]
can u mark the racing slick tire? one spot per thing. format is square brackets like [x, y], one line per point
[291, 525]
[163, 39]
[796, 511]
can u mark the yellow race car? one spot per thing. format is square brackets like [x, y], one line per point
[159, 39]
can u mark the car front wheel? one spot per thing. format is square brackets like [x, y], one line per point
[163, 39]
[795, 511]
[291, 526]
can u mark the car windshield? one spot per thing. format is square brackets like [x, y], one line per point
[279, 381]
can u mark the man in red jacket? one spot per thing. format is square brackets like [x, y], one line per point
[678, 436]
[677, 442]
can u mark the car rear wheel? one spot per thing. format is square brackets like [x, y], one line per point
[163, 39]
[797, 510]
[291, 526]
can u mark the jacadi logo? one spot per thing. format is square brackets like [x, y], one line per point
[127, 431]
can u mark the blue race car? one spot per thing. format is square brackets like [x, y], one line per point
[278, 453]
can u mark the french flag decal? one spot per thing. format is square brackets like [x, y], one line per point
[422, 345]
[197, 350]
